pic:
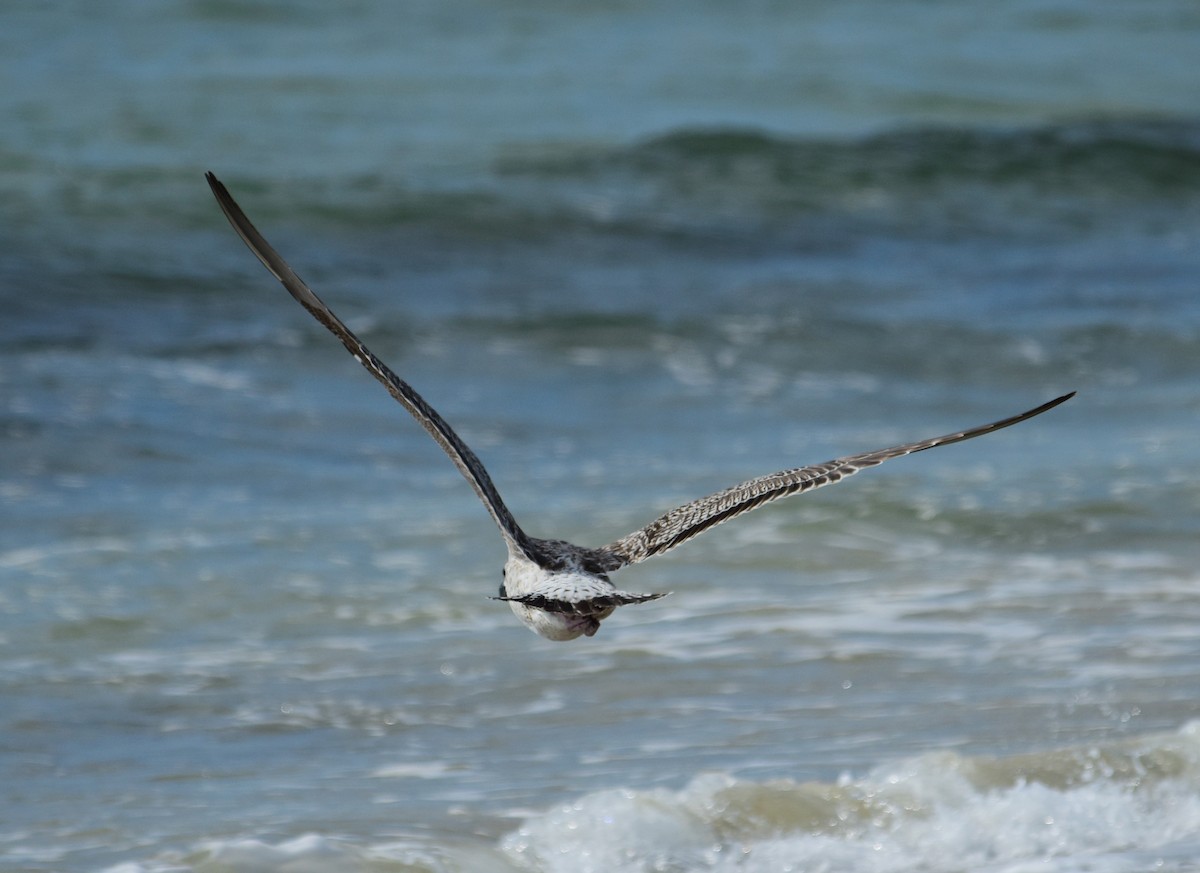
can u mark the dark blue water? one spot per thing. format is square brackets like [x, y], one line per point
[634, 254]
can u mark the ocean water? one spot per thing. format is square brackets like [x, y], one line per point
[634, 253]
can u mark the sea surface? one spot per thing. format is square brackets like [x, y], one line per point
[634, 253]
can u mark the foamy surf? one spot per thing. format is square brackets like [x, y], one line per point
[1127, 806]
[1112, 808]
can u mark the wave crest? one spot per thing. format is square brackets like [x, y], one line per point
[1115, 804]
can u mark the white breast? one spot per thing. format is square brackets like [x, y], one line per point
[523, 577]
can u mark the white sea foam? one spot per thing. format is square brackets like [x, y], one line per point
[1120, 807]
[413, 770]
[1117, 808]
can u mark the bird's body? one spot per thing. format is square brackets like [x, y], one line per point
[560, 590]
[558, 604]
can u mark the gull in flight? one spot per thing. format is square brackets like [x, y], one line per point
[558, 589]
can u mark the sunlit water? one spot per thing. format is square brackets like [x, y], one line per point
[634, 254]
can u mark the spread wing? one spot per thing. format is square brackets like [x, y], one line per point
[680, 525]
[462, 456]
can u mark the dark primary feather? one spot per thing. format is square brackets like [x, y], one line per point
[685, 522]
[462, 456]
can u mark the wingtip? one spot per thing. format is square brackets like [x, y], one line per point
[1047, 406]
[219, 190]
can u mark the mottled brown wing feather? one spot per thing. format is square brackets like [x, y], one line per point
[458, 451]
[685, 522]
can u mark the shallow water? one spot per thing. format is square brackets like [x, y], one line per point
[634, 255]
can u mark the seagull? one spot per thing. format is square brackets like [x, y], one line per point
[558, 589]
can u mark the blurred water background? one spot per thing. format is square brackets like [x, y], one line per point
[634, 252]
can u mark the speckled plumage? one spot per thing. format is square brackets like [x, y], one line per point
[558, 589]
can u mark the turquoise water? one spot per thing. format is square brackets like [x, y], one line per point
[634, 253]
